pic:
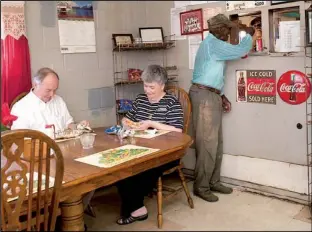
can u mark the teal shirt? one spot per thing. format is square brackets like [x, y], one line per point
[210, 60]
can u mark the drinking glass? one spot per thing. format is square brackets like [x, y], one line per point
[87, 140]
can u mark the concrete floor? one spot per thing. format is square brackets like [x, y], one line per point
[238, 211]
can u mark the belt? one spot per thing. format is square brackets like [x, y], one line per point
[208, 88]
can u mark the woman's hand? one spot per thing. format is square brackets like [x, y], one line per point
[144, 125]
[129, 124]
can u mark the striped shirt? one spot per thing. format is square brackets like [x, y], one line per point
[167, 111]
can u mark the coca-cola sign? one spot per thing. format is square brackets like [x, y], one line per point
[257, 86]
[294, 87]
[261, 87]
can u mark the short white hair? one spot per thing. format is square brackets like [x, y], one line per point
[43, 73]
[155, 73]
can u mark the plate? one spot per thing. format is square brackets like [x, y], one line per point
[68, 134]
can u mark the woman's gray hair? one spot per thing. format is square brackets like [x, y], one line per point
[155, 73]
[42, 73]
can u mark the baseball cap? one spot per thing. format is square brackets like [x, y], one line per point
[220, 20]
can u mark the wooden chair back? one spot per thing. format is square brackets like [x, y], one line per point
[185, 101]
[27, 186]
[19, 97]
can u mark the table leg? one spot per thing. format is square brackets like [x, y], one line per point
[72, 214]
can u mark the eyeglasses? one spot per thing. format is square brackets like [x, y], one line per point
[257, 25]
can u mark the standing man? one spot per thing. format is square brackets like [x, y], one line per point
[208, 102]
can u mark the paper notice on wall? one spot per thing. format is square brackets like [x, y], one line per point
[197, 2]
[239, 5]
[175, 22]
[289, 36]
[76, 26]
[235, 5]
[178, 4]
[210, 12]
[253, 4]
[194, 42]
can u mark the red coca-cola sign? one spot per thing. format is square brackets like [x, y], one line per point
[256, 86]
[294, 87]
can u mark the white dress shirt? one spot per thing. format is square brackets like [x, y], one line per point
[35, 114]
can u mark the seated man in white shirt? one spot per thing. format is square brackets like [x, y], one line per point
[41, 107]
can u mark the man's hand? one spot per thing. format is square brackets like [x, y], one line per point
[84, 123]
[250, 30]
[226, 104]
[241, 26]
[81, 125]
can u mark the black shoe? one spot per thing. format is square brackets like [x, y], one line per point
[131, 219]
[221, 188]
[207, 196]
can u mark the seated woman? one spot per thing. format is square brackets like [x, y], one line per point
[154, 109]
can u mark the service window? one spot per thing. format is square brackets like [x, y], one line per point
[248, 20]
[285, 29]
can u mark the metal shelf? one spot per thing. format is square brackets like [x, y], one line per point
[125, 57]
[147, 46]
[127, 82]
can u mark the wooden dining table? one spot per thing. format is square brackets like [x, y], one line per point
[80, 178]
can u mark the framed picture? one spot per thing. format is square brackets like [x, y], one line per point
[281, 2]
[151, 34]
[191, 22]
[308, 15]
[122, 39]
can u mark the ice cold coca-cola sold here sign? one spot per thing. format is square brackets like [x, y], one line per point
[256, 86]
[294, 87]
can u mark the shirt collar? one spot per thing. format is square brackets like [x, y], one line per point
[37, 99]
[212, 36]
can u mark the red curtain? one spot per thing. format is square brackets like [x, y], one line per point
[15, 59]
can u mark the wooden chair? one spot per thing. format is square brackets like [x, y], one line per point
[29, 202]
[19, 97]
[184, 99]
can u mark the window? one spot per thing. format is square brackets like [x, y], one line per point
[285, 30]
[248, 20]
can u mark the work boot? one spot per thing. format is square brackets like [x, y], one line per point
[207, 196]
[218, 187]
